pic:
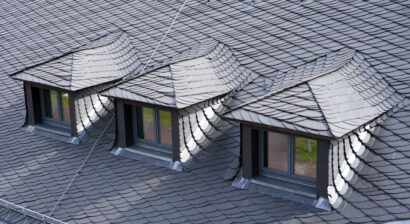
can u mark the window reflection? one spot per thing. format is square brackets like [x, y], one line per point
[54, 105]
[51, 104]
[65, 107]
[305, 151]
[145, 122]
[165, 128]
[276, 151]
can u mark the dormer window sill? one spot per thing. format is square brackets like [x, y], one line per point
[274, 188]
[293, 193]
[53, 132]
[284, 186]
[146, 155]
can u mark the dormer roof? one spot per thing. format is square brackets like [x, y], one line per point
[107, 59]
[330, 96]
[194, 76]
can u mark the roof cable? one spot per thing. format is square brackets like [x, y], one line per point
[81, 166]
[160, 42]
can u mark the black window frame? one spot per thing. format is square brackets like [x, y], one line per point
[125, 128]
[152, 145]
[35, 111]
[289, 175]
[61, 124]
[250, 145]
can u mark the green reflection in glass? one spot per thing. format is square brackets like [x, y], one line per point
[305, 157]
[145, 122]
[65, 107]
[165, 127]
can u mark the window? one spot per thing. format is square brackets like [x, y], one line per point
[55, 105]
[149, 131]
[50, 113]
[287, 157]
[55, 109]
[152, 128]
[283, 161]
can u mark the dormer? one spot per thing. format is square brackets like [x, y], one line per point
[62, 97]
[289, 120]
[171, 111]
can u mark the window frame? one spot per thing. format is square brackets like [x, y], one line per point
[35, 110]
[250, 157]
[289, 175]
[60, 123]
[153, 145]
[125, 132]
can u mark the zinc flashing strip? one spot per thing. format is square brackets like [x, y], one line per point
[29, 212]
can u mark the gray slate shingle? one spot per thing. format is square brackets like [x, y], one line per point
[269, 37]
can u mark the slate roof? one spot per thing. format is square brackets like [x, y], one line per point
[333, 99]
[202, 73]
[266, 37]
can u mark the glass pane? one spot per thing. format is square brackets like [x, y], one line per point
[51, 104]
[47, 103]
[54, 105]
[65, 107]
[145, 122]
[276, 154]
[165, 128]
[305, 157]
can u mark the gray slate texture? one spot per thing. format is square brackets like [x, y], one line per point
[265, 37]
